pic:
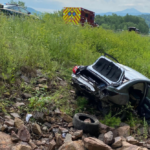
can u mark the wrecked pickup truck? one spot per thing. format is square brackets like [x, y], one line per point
[108, 82]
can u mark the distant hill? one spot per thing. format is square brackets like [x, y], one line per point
[131, 11]
[33, 11]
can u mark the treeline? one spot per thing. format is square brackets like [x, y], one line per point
[147, 18]
[115, 22]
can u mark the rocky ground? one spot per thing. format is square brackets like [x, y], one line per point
[51, 128]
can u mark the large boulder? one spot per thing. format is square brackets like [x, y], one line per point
[95, 144]
[74, 145]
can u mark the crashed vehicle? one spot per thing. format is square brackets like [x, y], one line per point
[13, 9]
[110, 83]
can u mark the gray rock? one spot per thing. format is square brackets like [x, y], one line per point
[131, 140]
[122, 131]
[95, 144]
[44, 128]
[42, 80]
[25, 79]
[19, 104]
[15, 115]
[63, 130]
[117, 143]
[103, 128]
[3, 127]
[101, 137]
[18, 123]
[47, 124]
[39, 116]
[24, 134]
[108, 138]
[57, 111]
[77, 134]
[26, 95]
[18, 99]
[68, 138]
[9, 122]
[14, 137]
[36, 129]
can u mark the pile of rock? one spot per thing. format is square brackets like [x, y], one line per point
[52, 129]
[58, 133]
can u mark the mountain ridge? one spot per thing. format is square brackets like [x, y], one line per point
[129, 11]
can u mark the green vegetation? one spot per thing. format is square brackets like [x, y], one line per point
[81, 104]
[111, 120]
[115, 22]
[132, 120]
[38, 102]
[55, 46]
[147, 18]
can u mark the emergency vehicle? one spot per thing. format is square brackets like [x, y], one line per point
[78, 15]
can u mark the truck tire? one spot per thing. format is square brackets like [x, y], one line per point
[91, 128]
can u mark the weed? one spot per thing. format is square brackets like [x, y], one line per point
[37, 103]
[81, 104]
[133, 120]
[111, 120]
[145, 129]
[2, 108]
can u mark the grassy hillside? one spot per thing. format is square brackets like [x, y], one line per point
[55, 46]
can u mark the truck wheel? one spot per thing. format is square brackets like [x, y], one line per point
[91, 128]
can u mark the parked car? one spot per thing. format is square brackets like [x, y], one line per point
[110, 83]
[133, 29]
[13, 9]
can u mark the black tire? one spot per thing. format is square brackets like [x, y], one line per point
[91, 128]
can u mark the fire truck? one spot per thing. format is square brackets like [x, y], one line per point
[78, 15]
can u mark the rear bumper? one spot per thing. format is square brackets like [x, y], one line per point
[86, 87]
[83, 84]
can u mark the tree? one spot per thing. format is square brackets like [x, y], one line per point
[20, 3]
[115, 22]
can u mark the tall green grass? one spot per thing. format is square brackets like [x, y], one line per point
[53, 45]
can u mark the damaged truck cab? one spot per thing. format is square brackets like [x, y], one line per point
[109, 82]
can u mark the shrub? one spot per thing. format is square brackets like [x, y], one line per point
[111, 121]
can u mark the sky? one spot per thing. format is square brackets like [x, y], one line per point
[98, 6]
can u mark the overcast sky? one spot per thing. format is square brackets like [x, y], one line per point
[97, 6]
